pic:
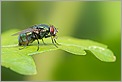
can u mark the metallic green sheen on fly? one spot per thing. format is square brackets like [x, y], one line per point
[37, 32]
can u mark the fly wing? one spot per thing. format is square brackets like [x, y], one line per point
[31, 29]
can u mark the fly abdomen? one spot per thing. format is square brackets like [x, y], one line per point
[25, 39]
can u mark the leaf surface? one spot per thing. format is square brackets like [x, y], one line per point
[21, 61]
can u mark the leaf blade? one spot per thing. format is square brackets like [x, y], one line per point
[104, 54]
[21, 61]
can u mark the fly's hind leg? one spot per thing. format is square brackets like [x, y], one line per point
[22, 48]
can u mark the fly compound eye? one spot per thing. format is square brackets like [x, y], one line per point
[52, 30]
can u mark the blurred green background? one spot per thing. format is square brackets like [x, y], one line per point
[99, 21]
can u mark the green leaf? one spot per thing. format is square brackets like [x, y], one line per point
[21, 61]
[102, 53]
[17, 61]
[98, 49]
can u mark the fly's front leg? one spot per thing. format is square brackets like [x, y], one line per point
[56, 42]
[53, 41]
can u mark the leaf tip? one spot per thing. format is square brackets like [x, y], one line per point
[114, 58]
[35, 73]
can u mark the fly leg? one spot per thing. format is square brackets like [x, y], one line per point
[22, 48]
[56, 42]
[37, 41]
[43, 42]
[53, 41]
[38, 44]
